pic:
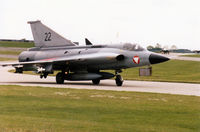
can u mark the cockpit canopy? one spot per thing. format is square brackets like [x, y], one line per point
[132, 47]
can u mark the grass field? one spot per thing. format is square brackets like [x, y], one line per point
[7, 59]
[16, 44]
[10, 52]
[171, 71]
[195, 55]
[43, 109]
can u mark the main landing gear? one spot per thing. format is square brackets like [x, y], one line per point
[60, 78]
[119, 80]
[43, 75]
[96, 81]
[18, 70]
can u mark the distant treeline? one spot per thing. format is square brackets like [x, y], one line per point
[162, 49]
[174, 50]
[16, 43]
[15, 40]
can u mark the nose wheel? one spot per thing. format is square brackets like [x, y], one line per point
[119, 80]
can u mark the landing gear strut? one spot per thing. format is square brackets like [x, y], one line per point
[60, 78]
[119, 80]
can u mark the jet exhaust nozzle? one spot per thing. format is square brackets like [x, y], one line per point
[155, 58]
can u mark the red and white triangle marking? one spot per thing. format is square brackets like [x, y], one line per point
[136, 59]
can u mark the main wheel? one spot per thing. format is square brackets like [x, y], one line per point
[18, 70]
[60, 77]
[119, 80]
[96, 81]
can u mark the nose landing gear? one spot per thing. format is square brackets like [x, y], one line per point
[119, 80]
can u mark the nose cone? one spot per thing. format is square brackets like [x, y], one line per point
[154, 58]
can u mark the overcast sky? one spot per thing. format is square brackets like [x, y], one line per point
[146, 22]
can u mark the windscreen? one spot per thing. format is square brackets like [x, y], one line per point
[132, 47]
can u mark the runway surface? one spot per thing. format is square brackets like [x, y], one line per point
[178, 56]
[7, 78]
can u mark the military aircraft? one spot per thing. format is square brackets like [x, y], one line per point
[53, 52]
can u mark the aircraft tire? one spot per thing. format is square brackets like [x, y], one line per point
[41, 76]
[60, 78]
[119, 80]
[18, 70]
[96, 81]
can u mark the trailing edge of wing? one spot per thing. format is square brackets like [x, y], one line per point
[27, 63]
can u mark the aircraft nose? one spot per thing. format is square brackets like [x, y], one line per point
[154, 58]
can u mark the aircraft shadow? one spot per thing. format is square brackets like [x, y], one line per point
[103, 84]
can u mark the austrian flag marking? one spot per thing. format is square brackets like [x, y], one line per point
[136, 59]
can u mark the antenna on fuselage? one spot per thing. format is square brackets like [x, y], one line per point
[87, 42]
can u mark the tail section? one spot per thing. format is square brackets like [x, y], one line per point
[46, 37]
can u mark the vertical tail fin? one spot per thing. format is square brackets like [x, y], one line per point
[46, 37]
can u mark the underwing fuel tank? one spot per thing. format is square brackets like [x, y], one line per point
[88, 76]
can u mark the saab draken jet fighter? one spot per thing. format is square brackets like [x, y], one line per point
[53, 52]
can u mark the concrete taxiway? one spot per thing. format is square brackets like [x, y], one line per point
[8, 78]
[179, 56]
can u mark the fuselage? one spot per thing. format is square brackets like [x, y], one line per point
[128, 51]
